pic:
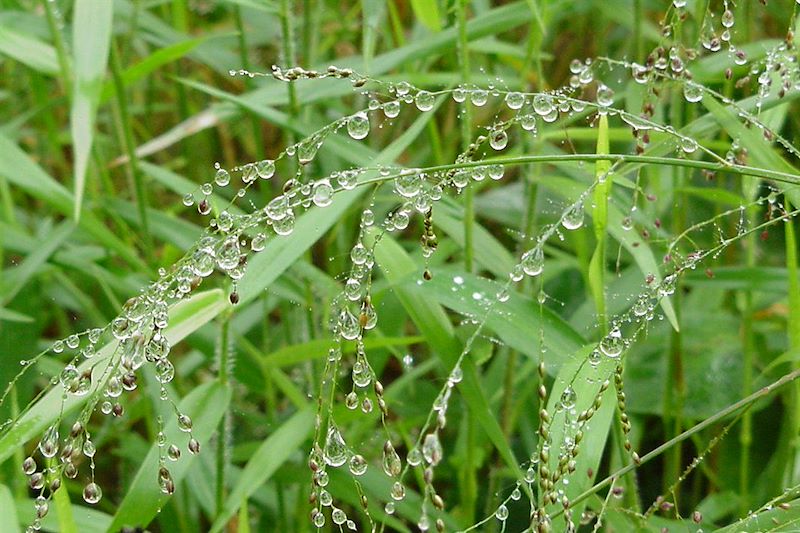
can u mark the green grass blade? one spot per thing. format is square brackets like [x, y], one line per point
[28, 50]
[602, 192]
[91, 39]
[66, 521]
[271, 454]
[427, 12]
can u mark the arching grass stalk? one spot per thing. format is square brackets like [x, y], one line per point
[744, 403]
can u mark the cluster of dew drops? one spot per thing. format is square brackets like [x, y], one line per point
[139, 328]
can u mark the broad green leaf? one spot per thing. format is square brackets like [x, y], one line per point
[66, 521]
[574, 390]
[431, 320]
[206, 405]
[272, 453]
[91, 40]
[9, 512]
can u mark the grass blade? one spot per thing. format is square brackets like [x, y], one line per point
[91, 40]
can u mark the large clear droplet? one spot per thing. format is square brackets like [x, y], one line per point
[568, 398]
[349, 326]
[424, 101]
[533, 261]
[498, 139]
[612, 344]
[92, 493]
[692, 92]
[228, 253]
[573, 219]
[335, 451]
[358, 125]
[323, 194]
[392, 464]
[432, 449]
[515, 100]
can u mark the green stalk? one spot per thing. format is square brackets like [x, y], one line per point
[129, 143]
[222, 430]
[469, 495]
[288, 58]
[750, 191]
[793, 327]
[61, 49]
[466, 134]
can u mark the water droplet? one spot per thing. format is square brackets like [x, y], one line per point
[358, 125]
[48, 446]
[727, 18]
[29, 465]
[533, 261]
[358, 465]
[284, 226]
[496, 171]
[222, 177]
[692, 92]
[323, 194]
[498, 139]
[408, 185]
[398, 491]
[543, 104]
[478, 97]
[184, 423]
[265, 169]
[515, 100]
[432, 448]
[605, 96]
[335, 451]
[392, 464]
[92, 493]
[359, 254]
[573, 218]
[338, 516]
[165, 371]
[349, 326]
[228, 253]
[501, 513]
[391, 109]
[424, 101]
[568, 398]
[612, 344]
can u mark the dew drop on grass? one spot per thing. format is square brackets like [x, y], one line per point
[414, 457]
[459, 94]
[184, 423]
[568, 398]
[501, 513]
[338, 516]
[258, 242]
[206, 188]
[188, 199]
[349, 327]
[573, 218]
[605, 96]
[398, 491]
[392, 464]
[323, 194]
[688, 145]
[424, 101]
[692, 92]
[515, 100]
[389, 508]
[357, 465]
[408, 185]
[432, 448]
[228, 253]
[496, 172]
[527, 122]
[265, 169]
[222, 177]
[29, 465]
[284, 226]
[92, 493]
[358, 125]
[335, 451]
[391, 109]
[351, 400]
[543, 104]
[533, 261]
[498, 139]
[612, 344]
[359, 254]
[478, 97]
